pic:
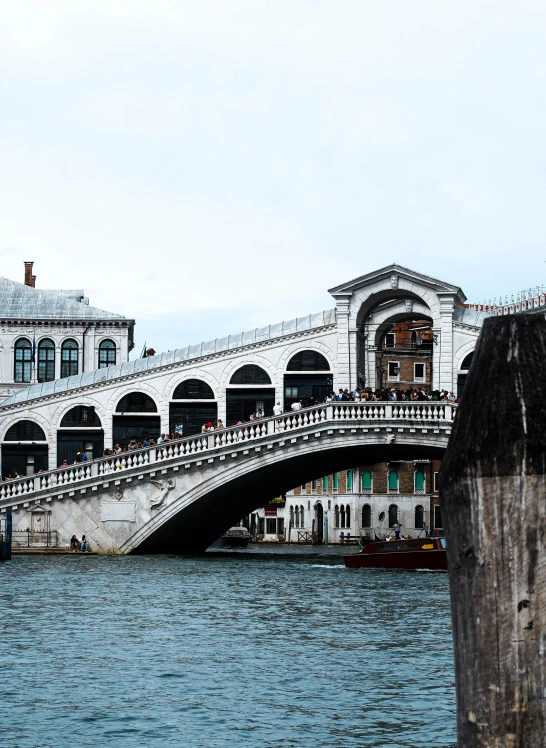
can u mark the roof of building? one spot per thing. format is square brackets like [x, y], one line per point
[469, 316]
[18, 301]
[259, 334]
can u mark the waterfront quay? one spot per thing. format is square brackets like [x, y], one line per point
[223, 650]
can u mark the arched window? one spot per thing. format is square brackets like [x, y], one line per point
[393, 514]
[336, 516]
[250, 374]
[366, 516]
[413, 339]
[25, 431]
[193, 389]
[292, 516]
[342, 516]
[81, 415]
[302, 517]
[419, 481]
[419, 517]
[366, 481]
[467, 361]
[308, 361]
[136, 402]
[349, 481]
[297, 516]
[69, 359]
[335, 482]
[46, 361]
[107, 354]
[23, 360]
[348, 516]
[393, 481]
[325, 484]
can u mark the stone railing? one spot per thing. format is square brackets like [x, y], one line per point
[349, 412]
[524, 301]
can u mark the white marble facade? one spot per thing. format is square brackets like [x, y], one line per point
[365, 307]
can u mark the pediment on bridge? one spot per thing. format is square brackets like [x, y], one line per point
[395, 274]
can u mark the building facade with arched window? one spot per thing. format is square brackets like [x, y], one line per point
[365, 501]
[49, 335]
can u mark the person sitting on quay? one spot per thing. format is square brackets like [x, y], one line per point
[84, 545]
[74, 544]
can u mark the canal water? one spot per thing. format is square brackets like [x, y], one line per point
[228, 649]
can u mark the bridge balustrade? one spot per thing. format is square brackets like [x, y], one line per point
[333, 412]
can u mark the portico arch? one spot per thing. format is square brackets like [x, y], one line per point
[24, 448]
[357, 300]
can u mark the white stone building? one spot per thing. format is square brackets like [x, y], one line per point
[49, 335]
[360, 502]
[223, 379]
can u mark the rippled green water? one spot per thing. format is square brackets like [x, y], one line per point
[223, 651]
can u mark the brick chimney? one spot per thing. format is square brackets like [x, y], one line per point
[30, 279]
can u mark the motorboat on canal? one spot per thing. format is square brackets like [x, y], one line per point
[419, 553]
[235, 537]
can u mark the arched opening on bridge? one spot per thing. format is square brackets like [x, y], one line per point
[463, 373]
[249, 394]
[80, 431]
[307, 378]
[134, 419]
[228, 490]
[24, 449]
[192, 405]
[318, 524]
[403, 352]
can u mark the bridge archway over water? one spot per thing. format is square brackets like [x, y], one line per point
[194, 520]
[178, 497]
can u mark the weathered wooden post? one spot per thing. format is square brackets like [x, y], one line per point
[493, 494]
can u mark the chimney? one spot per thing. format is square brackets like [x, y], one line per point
[33, 281]
[29, 280]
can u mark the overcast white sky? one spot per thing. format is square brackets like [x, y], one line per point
[210, 166]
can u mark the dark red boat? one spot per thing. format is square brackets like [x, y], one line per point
[422, 553]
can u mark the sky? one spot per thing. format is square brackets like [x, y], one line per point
[208, 167]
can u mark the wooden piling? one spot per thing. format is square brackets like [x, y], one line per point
[493, 496]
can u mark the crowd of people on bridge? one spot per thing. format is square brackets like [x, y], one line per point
[366, 394]
[384, 394]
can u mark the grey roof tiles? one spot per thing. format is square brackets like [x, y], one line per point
[21, 302]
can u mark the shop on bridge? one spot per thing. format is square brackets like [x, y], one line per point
[135, 419]
[80, 431]
[307, 378]
[192, 405]
[247, 393]
[24, 449]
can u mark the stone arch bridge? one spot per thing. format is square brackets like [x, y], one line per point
[180, 496]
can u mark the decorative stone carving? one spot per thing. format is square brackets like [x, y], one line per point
[394, 282]
[164, 487]
[409, 305]
[118, 494]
